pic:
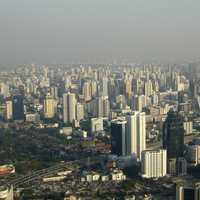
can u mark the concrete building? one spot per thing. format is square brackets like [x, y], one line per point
[96, 125]
[188, 191]
[49, 107]
[193, 155]
[188, 127]
[136, 134]
[154, 163]
[118, 137]
[69, 107]
[86, 91]
[18, 107]
[79, 111]
[9, 110]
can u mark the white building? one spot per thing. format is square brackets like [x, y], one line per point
[154, 163]
[188, 127]
[9, 110]
[69, 107]
[79, 111]
[96, 124]
[136, 134]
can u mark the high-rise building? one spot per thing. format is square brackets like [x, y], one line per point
[86, 90]
[106, 107]
[18, 107]
[4, 90]
[141, 128]
[188, 191]
[148, 89]
[173, 140]
[103, 106]
[49, 107]
[9, 110]
[181, 169]
[193, 155]
[136, 133]
[173, 135]
[154, 163]
[105, 86]
[79, 111]
[118, 137]
[139, 102]
[69, 107]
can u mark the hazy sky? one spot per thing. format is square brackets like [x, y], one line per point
[64, 31]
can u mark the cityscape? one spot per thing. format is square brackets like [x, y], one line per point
[99, 100]
[100, 132]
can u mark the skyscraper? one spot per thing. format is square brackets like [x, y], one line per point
[141, 128]
[18, 107]
[118, 137]
[9, 110]
[79, 111]
[173, 135]
[136, 133]
[69, 107]
[105, 86]
[86, 90]
[173, 140]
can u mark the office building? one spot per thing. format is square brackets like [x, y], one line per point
[188, 127]
[193, 155]
[188, 191]
[102, 107]
[154, 163]
[86, 91]
[173, 135]
[79, 111]
[49, 107]
[105, 86]
[181, 166]
[136, 133]
[18, 107]
[118, 137]
[69, 107]
[9, 110]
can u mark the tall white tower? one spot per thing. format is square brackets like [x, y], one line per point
[136, 133]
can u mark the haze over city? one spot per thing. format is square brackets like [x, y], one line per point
[104, 31]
